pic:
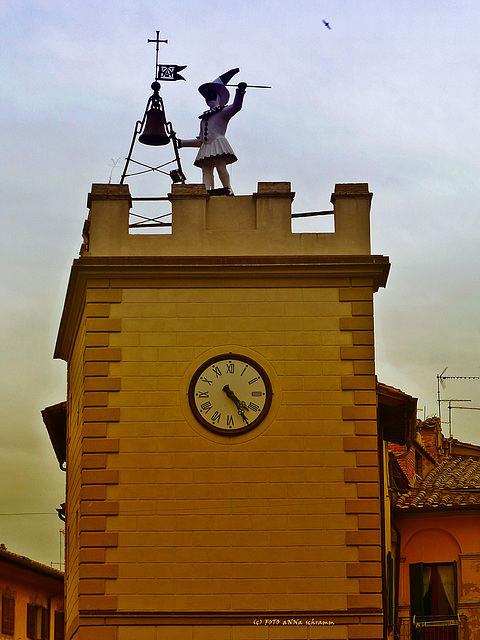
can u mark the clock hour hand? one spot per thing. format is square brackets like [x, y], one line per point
[241, 406]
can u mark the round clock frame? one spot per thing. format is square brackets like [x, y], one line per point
[230, 394]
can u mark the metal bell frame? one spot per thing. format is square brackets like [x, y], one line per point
[156, 131]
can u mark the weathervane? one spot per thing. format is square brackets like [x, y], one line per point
[165, 71]
[154, 129]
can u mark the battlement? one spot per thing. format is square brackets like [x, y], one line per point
[257, 224]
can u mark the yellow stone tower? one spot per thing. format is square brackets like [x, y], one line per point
[223, 478]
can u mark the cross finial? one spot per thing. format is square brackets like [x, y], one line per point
[157, 49]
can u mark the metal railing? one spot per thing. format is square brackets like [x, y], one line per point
[138, 221]
[433, 628]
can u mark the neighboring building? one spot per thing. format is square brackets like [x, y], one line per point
[396, 420]
[436, 516]
[32, 599]
[200, 505]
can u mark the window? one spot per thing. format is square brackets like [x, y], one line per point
[433, 590]
[8, 614]
[37, 622]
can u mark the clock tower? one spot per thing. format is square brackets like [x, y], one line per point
[223, 476]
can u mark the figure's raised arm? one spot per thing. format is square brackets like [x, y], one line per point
[237, 103]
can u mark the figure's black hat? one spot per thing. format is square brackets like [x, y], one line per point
[218, 85]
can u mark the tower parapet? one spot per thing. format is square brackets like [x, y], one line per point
[257, 224]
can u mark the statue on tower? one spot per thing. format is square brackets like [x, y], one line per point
[215, 151]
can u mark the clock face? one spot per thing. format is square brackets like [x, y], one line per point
[230, 394]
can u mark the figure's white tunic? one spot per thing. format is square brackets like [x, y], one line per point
[211, 140]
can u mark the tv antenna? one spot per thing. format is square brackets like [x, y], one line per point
[441, 384]
[450, 407]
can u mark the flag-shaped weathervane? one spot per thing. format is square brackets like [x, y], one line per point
[170, 72]
[167, 72]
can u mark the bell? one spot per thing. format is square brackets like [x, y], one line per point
[154, 133]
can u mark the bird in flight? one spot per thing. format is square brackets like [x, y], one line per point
[327, 25]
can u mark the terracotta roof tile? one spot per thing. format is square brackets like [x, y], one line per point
[453, 483]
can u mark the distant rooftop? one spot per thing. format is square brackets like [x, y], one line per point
[23, 561]
[454, 483]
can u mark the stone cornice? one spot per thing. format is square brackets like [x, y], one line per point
[214, 271]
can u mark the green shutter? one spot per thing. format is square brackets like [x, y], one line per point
[456, 585]
[31, 613]
[45, 624]
[416, 589]
[416, 598]
[59, 633]
[391, 594]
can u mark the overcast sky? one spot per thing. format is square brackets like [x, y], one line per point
[388, 96]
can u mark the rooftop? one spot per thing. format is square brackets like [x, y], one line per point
[454, 483]
[23, 561]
